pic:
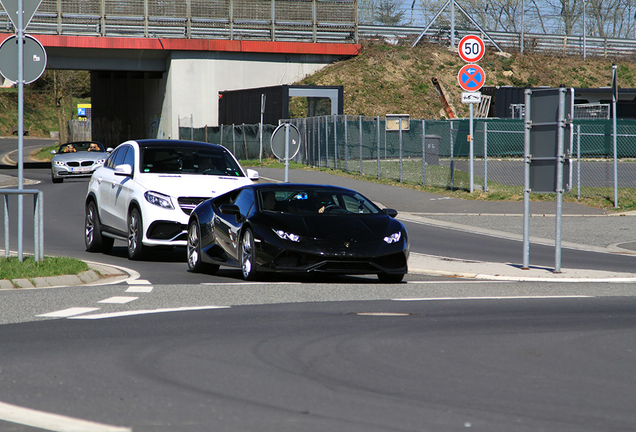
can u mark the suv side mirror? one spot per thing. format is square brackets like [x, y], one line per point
[252, 174]
[123, 170]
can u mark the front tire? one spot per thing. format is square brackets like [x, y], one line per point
[56, 179]
[136, 249]
[93, 238]
[195, 264]
[248, 256]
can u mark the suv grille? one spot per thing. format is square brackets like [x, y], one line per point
[188, 204]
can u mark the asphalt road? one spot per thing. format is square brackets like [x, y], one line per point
[176, 351]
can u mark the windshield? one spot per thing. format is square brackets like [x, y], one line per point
[315, 201]
[189, 160]
[81, 147]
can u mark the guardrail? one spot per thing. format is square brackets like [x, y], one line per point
[38, 221]
[533, 42]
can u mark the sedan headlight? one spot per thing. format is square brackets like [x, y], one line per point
[59, 163]
[287, 236]
[393, 238]
[99, 162]
[158, 199]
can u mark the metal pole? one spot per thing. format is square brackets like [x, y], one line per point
[423, 152]
[578, 161]
[6, 226]
[614, 131]
[584, 31]
[452, 157]
[326, 142]
[286, 152]
[318, 143]
[485, 156]
[360, 148]
[335, 142]
[559, 186]
[523, 23]
[526, 182]
[20, 126]
[400, 149]
[346, 146]
[471, 150]
[378, 124]
[452, 29]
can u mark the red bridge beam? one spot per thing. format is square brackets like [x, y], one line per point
[125, 43]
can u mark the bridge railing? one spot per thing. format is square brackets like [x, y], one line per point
[273, 20]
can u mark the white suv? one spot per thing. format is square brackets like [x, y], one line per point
[147, 188]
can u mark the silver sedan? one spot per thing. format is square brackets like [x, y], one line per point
[77, 159]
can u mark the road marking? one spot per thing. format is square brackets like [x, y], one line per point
[118, 300]
[138, 282]
[492, 298]
[52, 422]
[65, 313]
[145, 312]
[139, 289]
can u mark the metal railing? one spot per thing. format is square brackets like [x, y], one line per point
[38, 220]
[274, 20]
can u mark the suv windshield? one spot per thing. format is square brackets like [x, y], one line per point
[189, 160]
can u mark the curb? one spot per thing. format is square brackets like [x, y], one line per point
[98, 274]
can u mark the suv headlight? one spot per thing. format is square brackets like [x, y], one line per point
[159, 199]
[393, 238]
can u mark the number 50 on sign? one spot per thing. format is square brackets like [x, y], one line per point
[471, 48]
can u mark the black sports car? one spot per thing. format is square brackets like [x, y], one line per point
[297, 228]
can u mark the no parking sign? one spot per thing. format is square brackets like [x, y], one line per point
[471, 77]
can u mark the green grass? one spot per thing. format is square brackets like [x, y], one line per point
[11, 268]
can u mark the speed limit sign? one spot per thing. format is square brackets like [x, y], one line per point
[471, 48]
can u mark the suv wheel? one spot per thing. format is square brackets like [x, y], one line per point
[135, 235]
[93, 238]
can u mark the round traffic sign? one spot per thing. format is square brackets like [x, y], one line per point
[471, 48]
[471, 77]
[34, 59]
[278, 141]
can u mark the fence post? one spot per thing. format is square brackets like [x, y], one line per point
[485, 156]
[318, 144]
[335, 142]
[423, 152]
[578, 161]
[346, 145]
[360, 148]
[326, 141]
[378, 124]
[452, 157]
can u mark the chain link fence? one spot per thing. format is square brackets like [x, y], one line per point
[436, 152]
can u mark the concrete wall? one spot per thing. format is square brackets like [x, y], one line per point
[194, 81]
[135, 105]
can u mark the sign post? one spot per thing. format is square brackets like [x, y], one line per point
[471, 78]
[20, 13]
[285, 144]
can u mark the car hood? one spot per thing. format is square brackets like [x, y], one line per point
[338, 228]
[80, 156]
[195, 185]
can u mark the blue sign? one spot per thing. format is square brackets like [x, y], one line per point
[471, 77]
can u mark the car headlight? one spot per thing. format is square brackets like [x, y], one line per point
[393, 238]
[59, 163]
[99, 162]
[287, 236]
[158, 199]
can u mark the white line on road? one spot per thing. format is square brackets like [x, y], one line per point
[52, 422]
[138, 282]
[118, 300]
[493, 298]
[65, 313]
[139, 289]
[145, 312]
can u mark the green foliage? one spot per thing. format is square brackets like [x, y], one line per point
[12, 268]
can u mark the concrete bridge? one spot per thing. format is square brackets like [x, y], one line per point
[152, 61]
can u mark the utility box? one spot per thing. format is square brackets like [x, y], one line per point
[431, 143]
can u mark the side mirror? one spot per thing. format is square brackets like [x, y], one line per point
[123, 170]
[109, 150]
[390, 212]
[53, 152]
[252, 174]
[229, 209]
